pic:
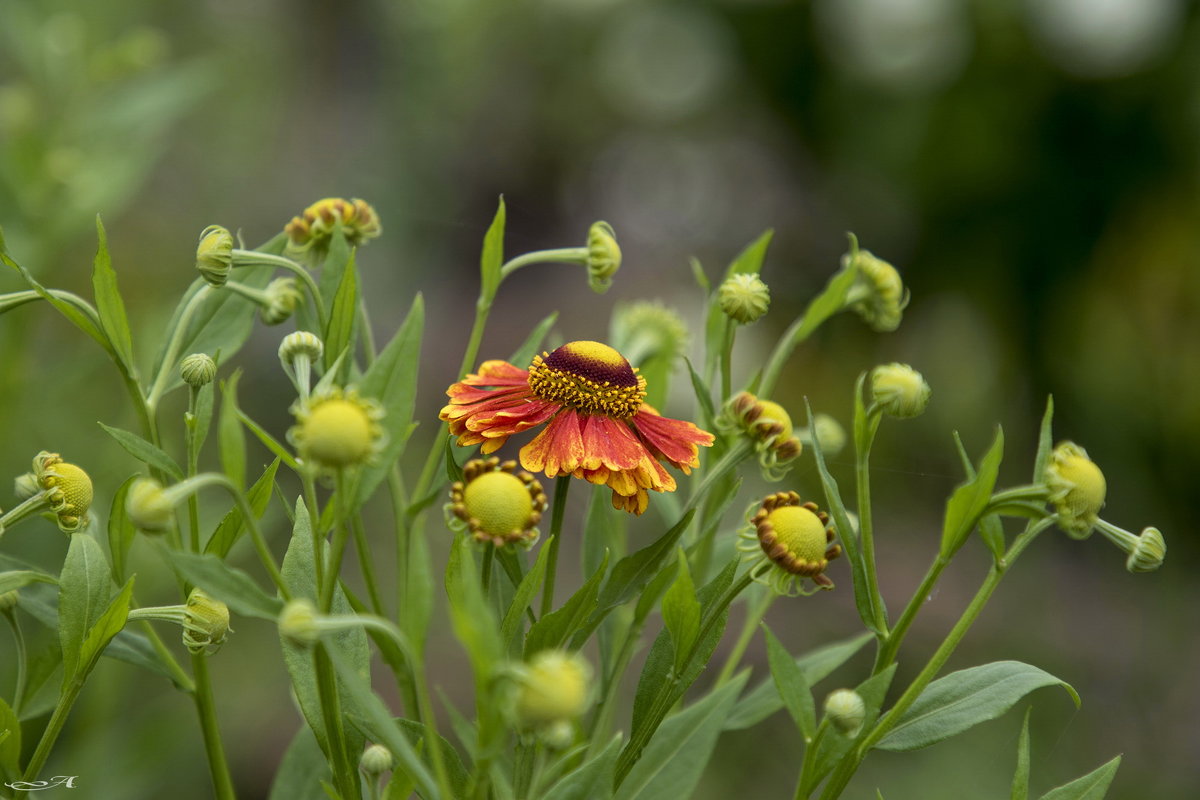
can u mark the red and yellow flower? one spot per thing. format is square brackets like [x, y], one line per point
[597, 427]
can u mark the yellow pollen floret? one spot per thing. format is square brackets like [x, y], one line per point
[337, 432]
[590, 377]
[776, 413]
[500, 501]
[74, 487]
[799, 532]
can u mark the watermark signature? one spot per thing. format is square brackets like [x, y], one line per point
[36, 786]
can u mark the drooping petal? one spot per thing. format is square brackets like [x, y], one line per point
[557, 450]
[675, 440]
[609, 443]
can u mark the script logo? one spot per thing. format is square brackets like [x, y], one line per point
[36, 786]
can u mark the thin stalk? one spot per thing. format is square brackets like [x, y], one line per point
[727, 360]
[754, 615]
[561, 485]
[341, 534]
[366, 564]
[807, 765]
[253, 258]
[890, 645]
[218, 765]
[345, 776]
[171, 356]
[22, 657]
[485, 569]
[565, 255]
[846, 768]
[54, 727]
[866, 537]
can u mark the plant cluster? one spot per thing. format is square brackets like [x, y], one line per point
[550, 718]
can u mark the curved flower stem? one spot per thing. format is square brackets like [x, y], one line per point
[864, 431]
[365, 563]
[66, 699]
[21, 657]
[253, 258]
[849, 764]
[561, 485]
[565, 255]
[171, 356]
[341, 533]
[791, 338]
[727, 360]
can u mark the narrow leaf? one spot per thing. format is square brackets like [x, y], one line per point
[492, 257]
[84, 590]
[1045, 442]
[963, 699]
[526, 591]
[231, 439]
[276, 447]
[681, 610]
[633, 572]
[556, 628]
[1020, 781]
[965, 506]
[674, 759]
[301, 771]
[1092, 786]
[228, 584]
[17, 578]
[533, 342]
[110, 623]
[592, 780]
[109, 305]
[793, 688]
[231, 527]
[343, 319]
[120, 530]
[145, 452]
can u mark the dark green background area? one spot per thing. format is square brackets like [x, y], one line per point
[1035, 183]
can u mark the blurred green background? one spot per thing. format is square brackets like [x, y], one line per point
[1029, 165]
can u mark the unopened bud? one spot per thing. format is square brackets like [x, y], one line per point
[148, 506]
[744, 298]
[845, 709]
[214, 255]
[375, 760]
[298, 623]
[604, 256]
[282, 298]
[198, 370]
[206, 623]
[899, 390]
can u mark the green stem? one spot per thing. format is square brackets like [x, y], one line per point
[485, 569]
[253, 258]
[850, 762]
[890, 644]
[404, 679]
[218, 765]
[22, 657]
[866, 537]
[365, 563]
[754, 615]
[727, 360]
[561, 485]
[341, 534]
[779, 356]
[808, 764]
[345, 776]
[171, 356]
[565, 255]
[58, 719]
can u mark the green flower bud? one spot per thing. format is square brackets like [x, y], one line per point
[301, 343]
[149, 507]
[604, 256]
[829, 433]
[375, 760]
[9, 600]
[878, 295]
[899, 390]
[298, 623]
[1077, 489]
[198, 370]
[1149, 552]
[555, 686]
[26, 486]
[206, 623]
[214, 255]
[67, 488]
[283, 295]
[845, 709]
[769, 426]
[744, 298]
[314, 227]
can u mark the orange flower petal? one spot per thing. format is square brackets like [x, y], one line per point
[673, 439]
[557, 450]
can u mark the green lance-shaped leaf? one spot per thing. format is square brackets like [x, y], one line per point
[120, 530]
[84, 590]
[144, 451]
[234, 523]
[681, 611]
[526, 590]
[591, 780]
[473, 619]
[556, 628]
[10, 743]
[109, 304]
[968, 502]
[764, 699]
[830, 748]
[343, 320]
[792, 686]
[301, 771]
[230, 585]
[492, 257]
[963, 699]
[674, 759]
[110, 623]
[1092, 786]
[15, 579]
[991, 530]
[392, 381]
[1020, 781]
[231, 439]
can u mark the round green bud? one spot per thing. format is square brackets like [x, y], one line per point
[198, 370]
[604, 256]
[744, 298]
[555, 687]
[878, 294]
[148, 506]
[1149, 552]
[845, 710]
[283, 295]
[375, 760]
[298, 623]
[206, 624]
[830, 434]
[214, 255]
[899, 390]
[301, 343]
[9, 600]
[1077, 489]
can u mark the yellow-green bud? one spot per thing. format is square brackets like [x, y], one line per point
[899, 390]
[198, 370]
[298, 623]
[301, 343]
[9, 600]
[148, 506]
[830, 434]
[375, 760]
[845, 709]
[206, 623]
[1149, 552]
[26, 486]
[1077, 489]
[555, 686]
[337, 429]
[282, 298]
[878, 294]
[214, 255]
[68, 490]
[744, 298]
[316, 223]
[604, 256]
